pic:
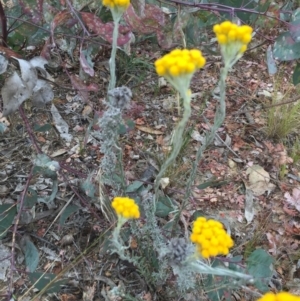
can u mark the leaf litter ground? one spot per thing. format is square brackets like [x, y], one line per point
[238, 180]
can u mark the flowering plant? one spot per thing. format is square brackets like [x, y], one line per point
[282, 296]
[233, 40]
[210, 238]
[178, 67]
[125, 209]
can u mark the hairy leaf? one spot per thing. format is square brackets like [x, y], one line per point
[45, 166]
[88, 187]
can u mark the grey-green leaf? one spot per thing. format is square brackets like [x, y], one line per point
[272, 68]
[40, 280]
[7, 214]
[163, 207]
[286, 48]
[260, 265]
[31, 253]
[67, 212]
[296, 74]
[134, 186]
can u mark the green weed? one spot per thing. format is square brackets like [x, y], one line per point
[132, 69]
[295, 154]
[283, 118]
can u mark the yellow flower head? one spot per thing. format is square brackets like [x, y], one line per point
[233, 39]
[230, 33]
[210, 238]
[126, 207]
[179, 63]
[282, 296]
[112, 4]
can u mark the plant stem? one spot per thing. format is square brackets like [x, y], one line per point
[202, 268]
[177, 139]
[112, 60]
[3, 22]
[209, 138]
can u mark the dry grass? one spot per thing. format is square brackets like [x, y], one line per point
[283, 119]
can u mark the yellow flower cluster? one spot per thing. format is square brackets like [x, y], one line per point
[126, 207]
[228, 32]
[180, 62]
[210, 237]
[116, 3]
[282, 296]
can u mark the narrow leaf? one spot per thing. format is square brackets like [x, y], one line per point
[67, 212]
[86, 61]
[31, 253]
[133, 187]
[7, 215]
[40, 280]
[296, 74]
[272, 68]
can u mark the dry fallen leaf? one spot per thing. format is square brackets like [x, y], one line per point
[89, 292]
[87, 110]
[249, 210]
[259, 180]
[164, 182]
[293, 199]
[59, 152]
[139, 121]
[149, 130]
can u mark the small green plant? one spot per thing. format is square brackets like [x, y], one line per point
[283, 170]
[132, 68]
[282, 119]
[295, 151]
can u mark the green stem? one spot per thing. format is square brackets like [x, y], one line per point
[177, 139]
[112, 61]
[121, 168]
[209, 138]
[202, 268]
